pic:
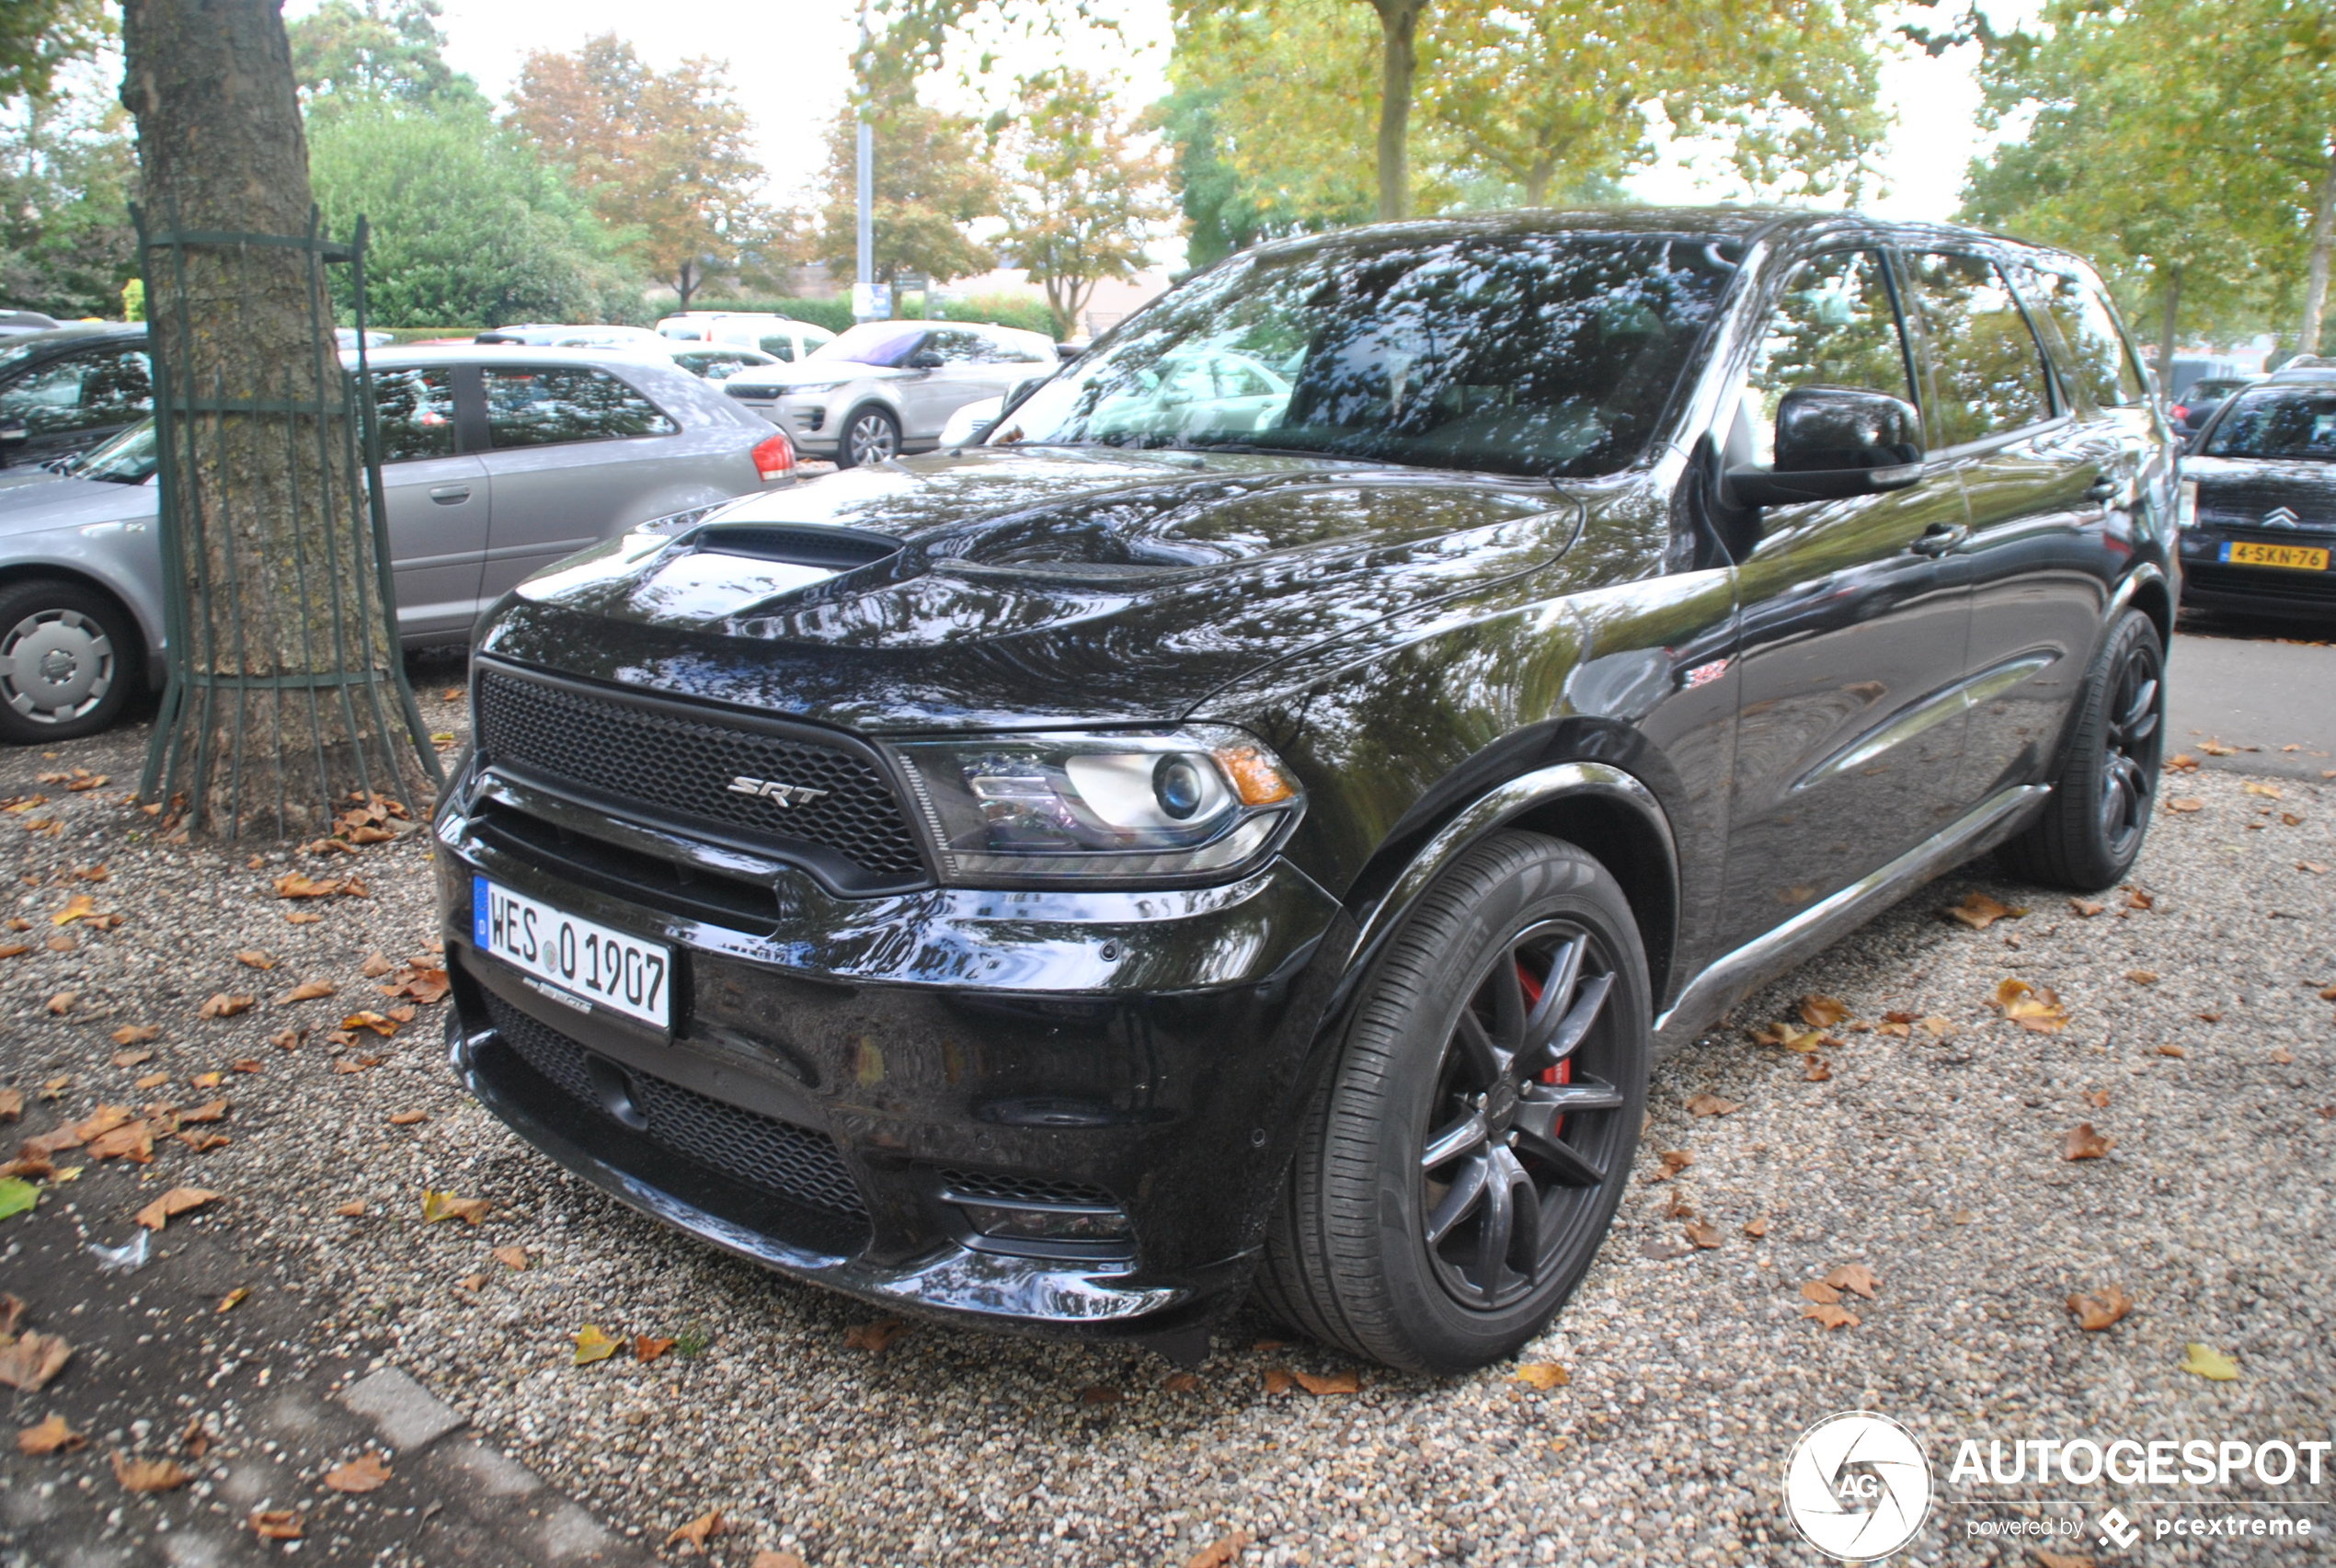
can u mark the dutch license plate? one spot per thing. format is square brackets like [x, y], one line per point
[574, 961]
[2295, 557]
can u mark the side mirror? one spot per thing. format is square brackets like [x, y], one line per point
[925, 359]
[14, 430]
[1071, 349]
[1834, 442]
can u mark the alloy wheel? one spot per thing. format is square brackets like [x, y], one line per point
[2130, 751]
[873, 439]
[1523, 1134]
[55, 665]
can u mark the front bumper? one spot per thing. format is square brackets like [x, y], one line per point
[1140, 1052]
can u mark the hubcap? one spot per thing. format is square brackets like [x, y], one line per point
[1523, 1133]
[872, 438]
[55, 665]
[2129, 758]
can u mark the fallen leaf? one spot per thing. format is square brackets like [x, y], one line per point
[698, 1531]
[366, 1472]
[592, 1346]
[1181, 1383]
[63, 1002]
[1854, 1276]
[136, 1034]
[1674, 1162]
[1543, 1375]
[1346, 1382]
[176, 1201]
[1678, 1207]
[375, 967]
[509, 1257]
[2137, 900]
[1758, 1228]
[2313, 866]
[471, 1282]
[11, 1313]
[2174, 1050]
[197, 1438]
[151, 1080]
[1979, 912]
[51, 1436]
[874, 1337]
[1711, 1106]
[301, 917]
[1703, 1235]
[148, 1475]
[438, 1206]
[369, 1019]
[2060, 1559]
[248, 1064]
[2032, 1007]
[2185, 803]
[2086, 909]
[1815, 1069]
[1278, 1381]
[2097, 1098]
[287, 1039]
[2181, 762]
[2209, 1363]
[252, 959]
[2283, 1056]
[32, 1360]
[233, 1299]
[15, 949]
[1820, 1011]
[224, 1006]
[134, 1141]
[277, 1524]
[2080, 1142]
[204, 1142]
[1831, 1316]
[1100, 1393]
[648, 1346]
[789, 1560]
[1791, 1039]
[210, 1111]
[80, 907]
[11, 1105]
[61, 942]
[1218, 1554]
[2096, 1312]
[2216, 749]
[2268, 791]
[408, 1118]
[294, 885]
[353, 1209]
[1820, 1292]
[2142, 976]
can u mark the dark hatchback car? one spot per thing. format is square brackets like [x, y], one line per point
[68, 390]
[1252, 822]
[2259, 524]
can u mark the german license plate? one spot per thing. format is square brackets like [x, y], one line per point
[2295, 557]
[573, 961]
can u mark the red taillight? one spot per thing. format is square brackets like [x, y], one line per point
[2179, 412]
[775, 456]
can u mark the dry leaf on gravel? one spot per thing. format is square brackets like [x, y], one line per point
[224, 1006]
[1181, 1383]
[353, 1209]
[408, 1118]
[233, 1300]
[197, 1438]
[307, 990]
[1831, 1316]
[204, 1142]
[2175, 1051]
[294, 885]
[2313, 866]
[2032, 1007]
[1711, 1106]
[1821, 1012]
[1218, 1554]
[1674, 1162]
[2086, 909]
[369, 1019]
[1756, 1229]
[2060, 1559]
[1100, 1393]
[2096, 1312]
[15, 949]
[252, 959]
[63, 1002]
[148, 1475]
[35, 1359]
[1700, 1234]
[2137, 900]
[2097, 1098]
[2283, 1056]
[648, 1346]
[374, 966]
[1346, 1382]
[1791, 1039]
[366, 1472]
[176, 1201]
[438, 1206]
[1854, 1276]
[509, 1257]
[2268, 791]
[873, 1337]
[1279, 1381]
[2209, 1363]
[698, 1531]
[2142, 976]
[136, 1034]
[1818, 1290]
[2185, 803]
[277, 1524]
[134, 1141]
[1815, 1069]
[2080, 1142]
[776, 1560]
[1979, 912]
[210, 1111]
[51, 1436]
[592, 1345]
[11, 1105]
[132, 1059]
[1543, 1375]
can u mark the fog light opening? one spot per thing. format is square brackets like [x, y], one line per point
[1045, 1222]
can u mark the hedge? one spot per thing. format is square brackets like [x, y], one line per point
[1003, 310]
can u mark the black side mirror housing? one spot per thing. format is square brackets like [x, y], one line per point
[925, 359]
[1833, 441]
[1071, 349]
[14, 430]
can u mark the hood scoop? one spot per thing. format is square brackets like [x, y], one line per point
[828, 548]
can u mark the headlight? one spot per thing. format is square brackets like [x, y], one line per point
[1156, 806]
[2186, 505]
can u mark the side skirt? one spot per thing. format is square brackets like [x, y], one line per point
[1730, 979]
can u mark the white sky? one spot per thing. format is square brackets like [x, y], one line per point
[790, 61]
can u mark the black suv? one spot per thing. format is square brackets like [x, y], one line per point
[1252, 821]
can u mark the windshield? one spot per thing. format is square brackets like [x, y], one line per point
[885, 343]
[2291, 421]
[1535, 354]
[128, 459]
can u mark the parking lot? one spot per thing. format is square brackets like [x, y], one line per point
[1649, 1425]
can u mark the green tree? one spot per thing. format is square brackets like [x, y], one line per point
[37, 37]
[347, 50]
[664, 157]
[470, 227]
[67, 175]
[934, 176]
[1084, 195]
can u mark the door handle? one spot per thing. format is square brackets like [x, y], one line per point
[2102, 488]
[451, 495]
[1940, 538]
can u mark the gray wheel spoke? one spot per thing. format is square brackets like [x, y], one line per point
[1508, 1006]
[1584, 1093]
[1578, 1018]
[1466, 1191]
[1453, 1142]
[1565, 971]
[1498, 1223]
[1536, 1128]
[1484, 1056]
[2139, 721]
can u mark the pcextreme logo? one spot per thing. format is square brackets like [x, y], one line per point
[1858, 1486]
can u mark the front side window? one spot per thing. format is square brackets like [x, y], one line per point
[2286, 422]
[127, 459]
[960, 347]
[550, 406]
[2093, 352]
[1835, 327]
[80, 392]
[1551, 354]
[779, 347]
[1986, 364]
[414, 411]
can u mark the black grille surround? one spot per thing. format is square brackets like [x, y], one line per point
[794, 1163]
[673, 763]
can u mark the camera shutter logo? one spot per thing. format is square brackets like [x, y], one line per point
[1857, 1486]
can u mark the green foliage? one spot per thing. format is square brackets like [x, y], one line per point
[67, 172]
[470, 227]
[37, 37]
[932, 177]
[1086, 195]
[344, 51]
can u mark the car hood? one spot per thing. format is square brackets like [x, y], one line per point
[2239, 491]
[49, 500]
[998, 587]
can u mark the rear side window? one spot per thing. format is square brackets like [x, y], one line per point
[1835, 327]
[2093, 353]
[551, 405]
[779, 347]
[414, 411]
[1987, 367]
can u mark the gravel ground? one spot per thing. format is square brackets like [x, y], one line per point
[1934, 1159]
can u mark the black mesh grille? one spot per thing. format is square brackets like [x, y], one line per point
[678, 764]
[1022, 1189]
[2242, 502]
[2267, 583]
[776, 1156]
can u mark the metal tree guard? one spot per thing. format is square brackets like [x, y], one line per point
[205, 709]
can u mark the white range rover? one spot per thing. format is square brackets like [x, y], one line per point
[886, 387]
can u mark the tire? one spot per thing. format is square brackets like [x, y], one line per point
[870, 435]
[1396, 1138]
[68, 658]
[2091, 830]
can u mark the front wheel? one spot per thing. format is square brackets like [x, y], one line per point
[871, 435]
[66, 656]
[1460, 1165]
[2091, 831]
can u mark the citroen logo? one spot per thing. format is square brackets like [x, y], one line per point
[787, 794]
[2280, 517]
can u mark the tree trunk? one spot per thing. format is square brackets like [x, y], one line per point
[1398, 25]
[2316, 285]
[1537, 182]
[273, 540]
[686, 283]
[2166, 325]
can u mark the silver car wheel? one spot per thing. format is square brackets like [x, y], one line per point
[873, 438]
[55, 665]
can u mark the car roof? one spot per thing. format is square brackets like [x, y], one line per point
[512, 354]
[78, 332]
